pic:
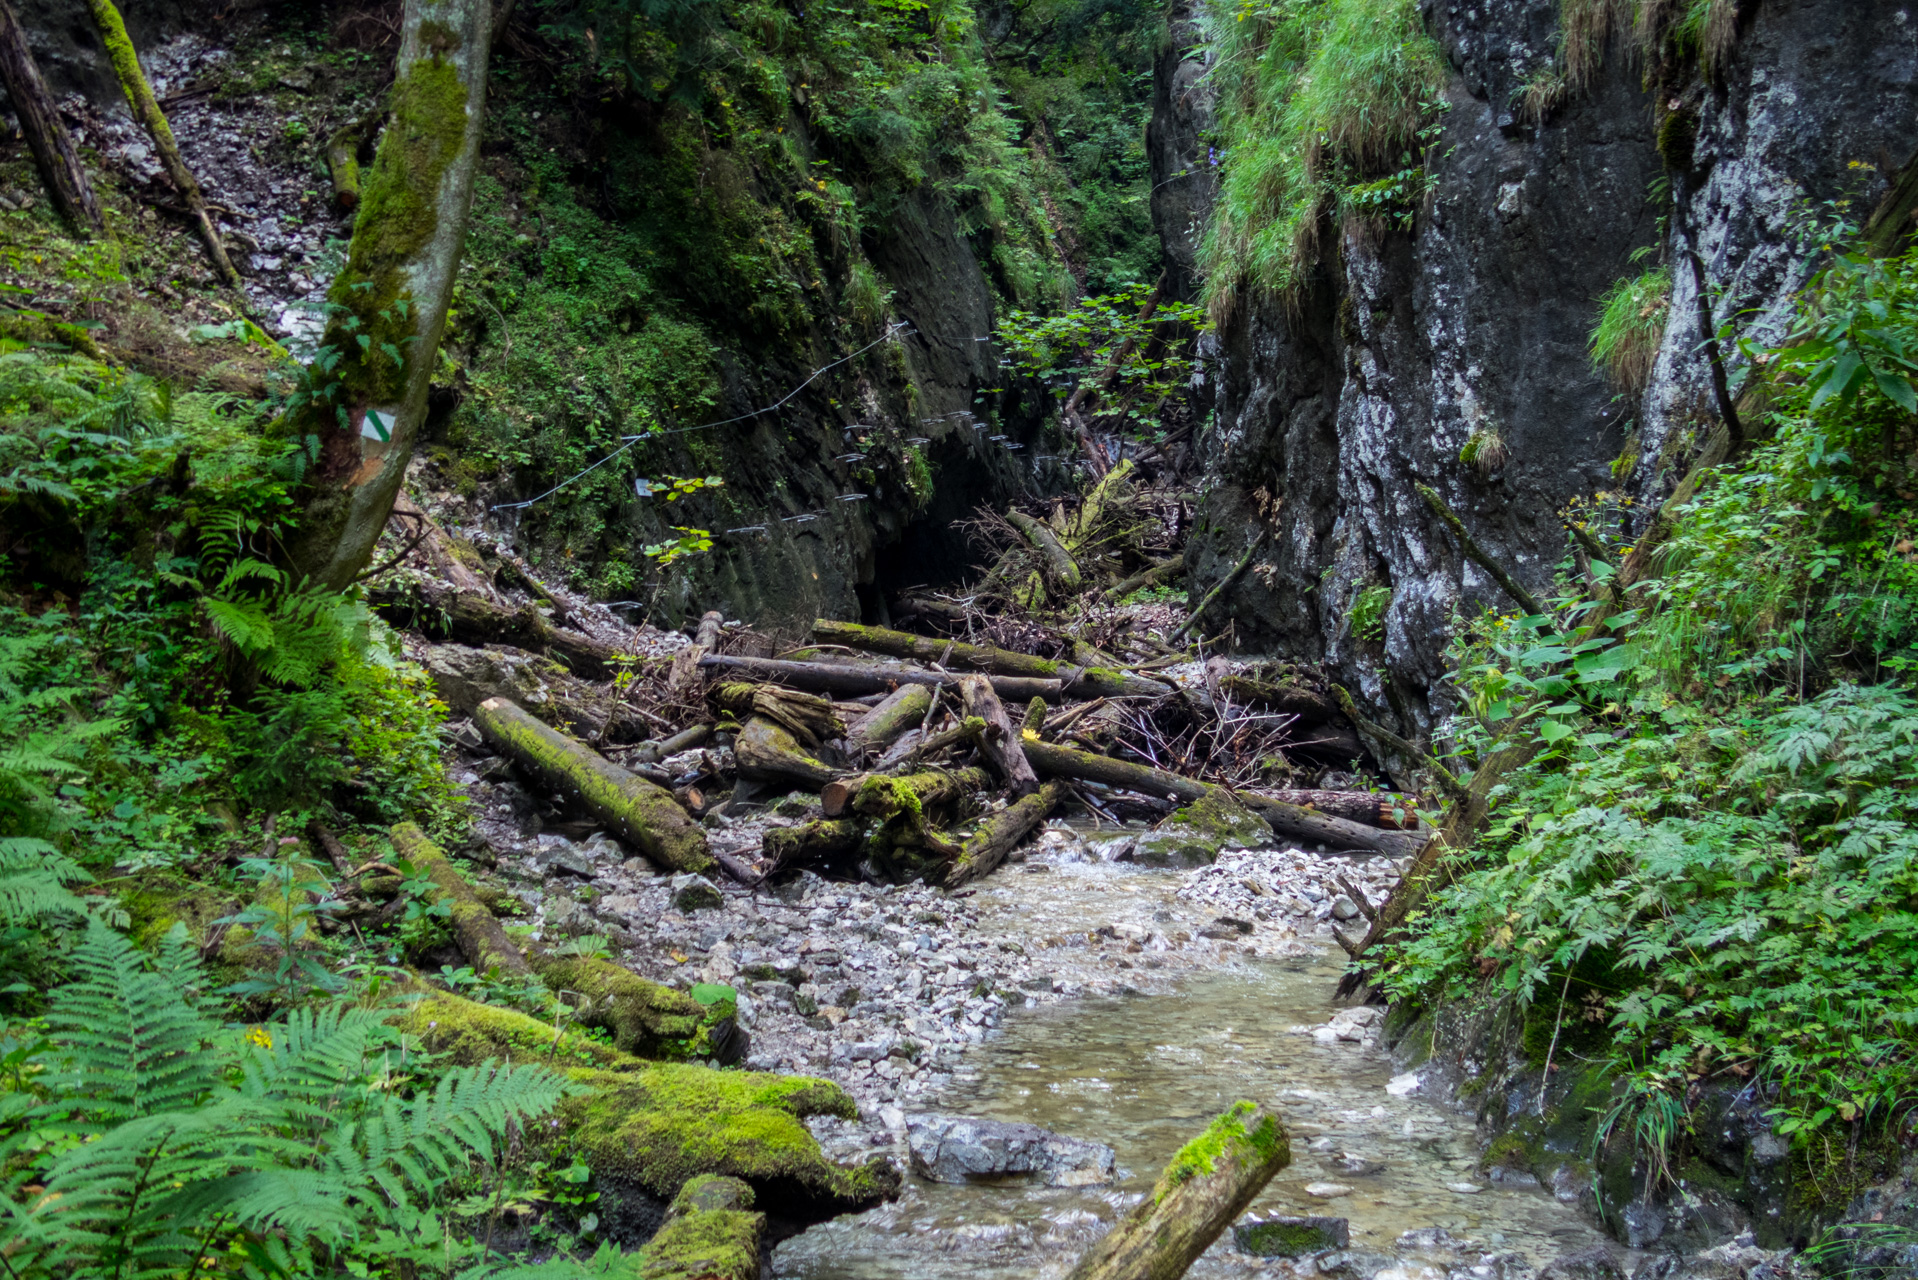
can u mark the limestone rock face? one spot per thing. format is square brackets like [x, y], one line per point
[1329, 409]
[956, 1149]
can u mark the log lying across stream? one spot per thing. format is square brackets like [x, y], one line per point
[1207, 1185]
[1077, 681]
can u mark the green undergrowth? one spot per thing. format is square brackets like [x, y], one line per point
[1325, 108]
[1709, 873]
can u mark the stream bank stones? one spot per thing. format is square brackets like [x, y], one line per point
[961, 1150]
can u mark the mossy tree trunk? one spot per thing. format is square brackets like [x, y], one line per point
[53, 154]
[146, 109]
[1208, 1184]
[389, 304]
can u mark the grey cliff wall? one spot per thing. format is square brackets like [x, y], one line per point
[1327, 414]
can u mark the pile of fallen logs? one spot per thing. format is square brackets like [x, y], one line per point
[934, 758]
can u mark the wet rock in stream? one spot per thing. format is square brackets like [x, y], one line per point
[960, 1150]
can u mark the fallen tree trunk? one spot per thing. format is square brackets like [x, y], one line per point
[1286, 819]
[883, 796]
[809, 718]
[639, 812]
[1300, 700]
[1204, 1188]
[904, 708]
[852, 679]
[998, 835]
[998, 743]
[1061, 570]
[1079, 682]
[768, 752]
[480, 937]
[1373, 808]
[474, 620]
[146, 109]
[643, 1017]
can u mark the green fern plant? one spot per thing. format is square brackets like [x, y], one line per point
[153, 1139]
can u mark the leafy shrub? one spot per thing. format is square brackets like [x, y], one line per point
[1718, 840]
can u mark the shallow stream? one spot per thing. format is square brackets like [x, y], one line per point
[1143, 1073]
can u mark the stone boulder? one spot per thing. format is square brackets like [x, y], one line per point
[958, 1149]
[1195, 835]
[1290, 1237]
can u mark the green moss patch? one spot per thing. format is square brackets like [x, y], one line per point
[1227, 1137]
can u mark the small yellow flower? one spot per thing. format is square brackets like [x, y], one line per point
[260, 1036]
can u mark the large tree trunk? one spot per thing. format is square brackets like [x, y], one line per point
[390, 301]
[53, 153]
[146, 109]
[1207, 1185]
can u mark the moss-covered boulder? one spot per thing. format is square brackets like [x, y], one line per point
[647, 1135]
[710, 1233]
[1196, 835]
[647, 1130]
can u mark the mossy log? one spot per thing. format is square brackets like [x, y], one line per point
[1078, 682]
[480, 937]
[466, 1033]
[1301, 700]
[1207, 1185]
[1001, 833]
[811, 842]
[639, 812]
[768, 752]
[47, 138]
[882, 797]
[146, 109]
[1418, 757]
[343, 161]
[852, 679]
[1289, 820]
[903, 709]
[710, 1233]
[652, 1128]
[644, 1018]
[808, 717]
[471, 619]
[1061, 570]
[998, 743]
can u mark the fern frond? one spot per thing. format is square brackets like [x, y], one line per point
[132, 1039]
[246, 625]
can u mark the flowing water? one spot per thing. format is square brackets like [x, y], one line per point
[1143, 1073]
